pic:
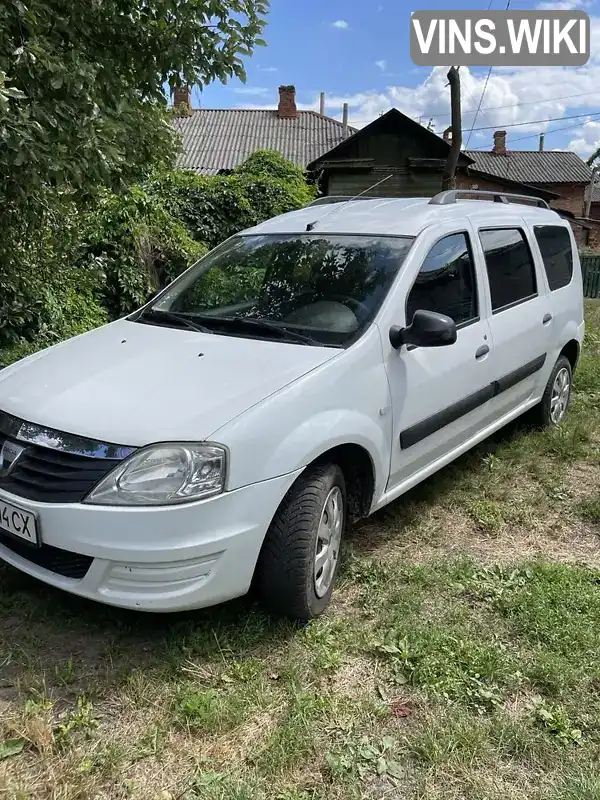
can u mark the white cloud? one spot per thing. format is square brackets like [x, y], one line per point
[267, 69]
[251, 90]
[564, 5]
[340, 23]
[587, 139]
[381, 64]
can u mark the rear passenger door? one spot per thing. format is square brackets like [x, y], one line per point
[556, 243]
[521, 318]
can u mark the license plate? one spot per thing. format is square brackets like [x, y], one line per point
[17, 522]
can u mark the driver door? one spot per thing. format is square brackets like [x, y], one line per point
[440, 395]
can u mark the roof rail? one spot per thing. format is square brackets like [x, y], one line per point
[451, 196]
[336, 198]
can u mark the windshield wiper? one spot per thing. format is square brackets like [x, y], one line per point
[171, 316]
[265, 326]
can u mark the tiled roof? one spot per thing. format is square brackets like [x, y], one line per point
[533, 166]
[215, 139]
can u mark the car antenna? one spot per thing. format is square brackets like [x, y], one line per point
[311, 225]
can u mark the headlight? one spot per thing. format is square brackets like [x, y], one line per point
[163, 474]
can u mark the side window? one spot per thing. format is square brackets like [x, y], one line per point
[555, 246]
[510, 266]
[446, 282]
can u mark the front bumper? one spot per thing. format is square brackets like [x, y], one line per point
[157, 559]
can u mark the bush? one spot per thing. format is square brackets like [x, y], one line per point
[42, 294]
[140, 246]
[69, 307]
[215, 208]
[82, 266]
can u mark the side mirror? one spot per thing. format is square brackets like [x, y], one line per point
[428, 329]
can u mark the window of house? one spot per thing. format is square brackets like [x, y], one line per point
[510, 266]
[555, 246]
[446, 282]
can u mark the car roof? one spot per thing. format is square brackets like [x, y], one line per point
[406, 216]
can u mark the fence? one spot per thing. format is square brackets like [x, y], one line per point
[590, 267]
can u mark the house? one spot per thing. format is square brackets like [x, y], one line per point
[217, 140]
[561, 172]
[395, 156]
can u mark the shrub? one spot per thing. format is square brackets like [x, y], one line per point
[140, 246]
[214, 208]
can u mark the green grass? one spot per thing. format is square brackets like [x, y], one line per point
[461, 658]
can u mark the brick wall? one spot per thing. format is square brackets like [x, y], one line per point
[464, 181]
[572, 197]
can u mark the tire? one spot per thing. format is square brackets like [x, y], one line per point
[545, 414]
[288, 581]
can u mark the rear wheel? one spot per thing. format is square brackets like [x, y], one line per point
[299, 560]
[557, 396]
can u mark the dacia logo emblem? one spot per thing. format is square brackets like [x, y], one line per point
[10, 453]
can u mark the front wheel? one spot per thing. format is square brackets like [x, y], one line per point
[299, 560]
[557, 396]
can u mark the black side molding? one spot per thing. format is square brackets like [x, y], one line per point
[416, 433]
[436, 422]
[510, 380]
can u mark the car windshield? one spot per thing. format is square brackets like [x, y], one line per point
[311, 289]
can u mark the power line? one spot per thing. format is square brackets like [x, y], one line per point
[517, 105]
[546, 133]
[480, 100]
[532, 122]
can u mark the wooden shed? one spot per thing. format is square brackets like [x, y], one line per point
[407, 157]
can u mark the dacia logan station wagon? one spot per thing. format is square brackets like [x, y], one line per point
[306, 372]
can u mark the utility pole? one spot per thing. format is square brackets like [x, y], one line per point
[590, 193]
[449, 177]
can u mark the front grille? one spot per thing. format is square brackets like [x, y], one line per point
[52, 476]
[62, 562]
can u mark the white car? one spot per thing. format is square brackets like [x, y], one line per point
[306, 372]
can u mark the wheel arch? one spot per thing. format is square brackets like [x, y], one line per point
[359, 472]
[572, 352]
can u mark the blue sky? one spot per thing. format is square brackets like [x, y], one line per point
[357, 51]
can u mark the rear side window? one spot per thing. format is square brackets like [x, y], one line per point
[510, 266]
[446, 281]
[555, 246]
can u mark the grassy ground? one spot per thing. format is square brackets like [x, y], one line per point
[461, 658]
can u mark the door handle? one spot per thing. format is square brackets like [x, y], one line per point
[483, 351]
[547, 319]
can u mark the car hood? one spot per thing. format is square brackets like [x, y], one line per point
[129, 383]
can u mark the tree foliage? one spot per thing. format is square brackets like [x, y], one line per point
[83, 114]
[84, 265]
[81, 83]
[594, 158]
[214, 208]
[139, 246]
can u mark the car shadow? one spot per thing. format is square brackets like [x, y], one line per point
[369, 534]
[54, 642]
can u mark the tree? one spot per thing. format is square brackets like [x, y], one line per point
[83, 109]
[81, 83]
[594, 157]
